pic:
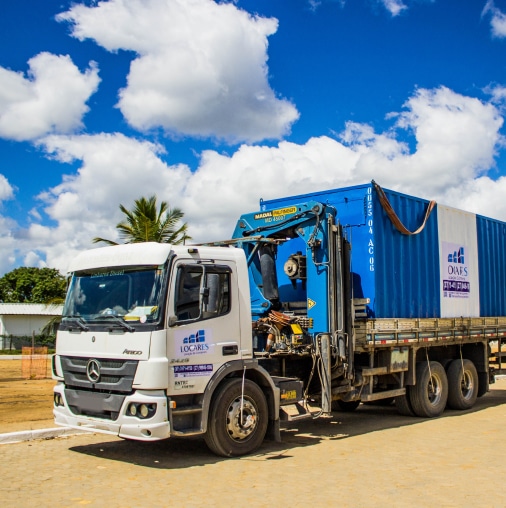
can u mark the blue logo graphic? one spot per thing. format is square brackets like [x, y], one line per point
[195, 338]
[195, 344]
[457, 256]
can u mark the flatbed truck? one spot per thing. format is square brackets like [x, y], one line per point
[317, 303]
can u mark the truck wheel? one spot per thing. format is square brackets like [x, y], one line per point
[430, 393]
[346, 406]
[483, 383]
[403, 404]
[462, 384]
[228, 434]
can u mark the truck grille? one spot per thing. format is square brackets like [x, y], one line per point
[102, 397]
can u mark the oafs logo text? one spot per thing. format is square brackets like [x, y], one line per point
[195, 344]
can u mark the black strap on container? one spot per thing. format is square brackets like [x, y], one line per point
[385, 203]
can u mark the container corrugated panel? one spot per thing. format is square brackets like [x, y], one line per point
[492, 268]
[406, 266]
[450, 269]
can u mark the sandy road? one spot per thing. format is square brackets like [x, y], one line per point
[373, 457]
[25, 404]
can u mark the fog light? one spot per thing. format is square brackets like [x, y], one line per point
[141, 411]
[57, 399]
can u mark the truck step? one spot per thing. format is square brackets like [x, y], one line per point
[294, 412]
[187, 410]
[185, 432]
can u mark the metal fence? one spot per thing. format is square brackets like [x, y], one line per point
[17, 343]
[34, 362]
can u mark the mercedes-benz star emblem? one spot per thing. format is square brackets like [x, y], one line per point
[93, 371]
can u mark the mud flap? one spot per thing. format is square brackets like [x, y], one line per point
[273, 431]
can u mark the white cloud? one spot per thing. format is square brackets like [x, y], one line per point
[201, 68]
[497, 94]
[8, 243]
[497, 19]
[52, 98]
[481, 195]
[455, 140]
[6, 190]
[115, 169]
[394, 7]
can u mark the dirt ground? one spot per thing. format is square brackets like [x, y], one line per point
[25, 404]
[370, 458]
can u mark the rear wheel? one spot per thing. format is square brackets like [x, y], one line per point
[403, 404]
[429, 395]
[462, 384]
[483, 383]
[346, 406]
[237, 424]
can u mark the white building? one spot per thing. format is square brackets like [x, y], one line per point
[24, 319]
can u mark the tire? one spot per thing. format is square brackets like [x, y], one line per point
[462, 384]
[403, 404]
[483, 383]
[226, 435]
[446, 363]
[345, 406]
[429, 395]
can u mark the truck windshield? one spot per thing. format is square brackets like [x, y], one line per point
[127, 295]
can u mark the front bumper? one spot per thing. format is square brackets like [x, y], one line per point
[129, 427]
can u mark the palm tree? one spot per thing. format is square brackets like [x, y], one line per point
[146, 223]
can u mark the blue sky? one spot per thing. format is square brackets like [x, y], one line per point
[213, 105]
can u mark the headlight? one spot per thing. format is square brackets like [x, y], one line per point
[141, 410]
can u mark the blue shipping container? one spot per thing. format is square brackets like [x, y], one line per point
[454, 266]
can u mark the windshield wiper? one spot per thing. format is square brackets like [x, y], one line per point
[79, 321]
[117, 320]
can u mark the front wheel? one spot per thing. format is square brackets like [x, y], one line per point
[429, 395]
[237, 422]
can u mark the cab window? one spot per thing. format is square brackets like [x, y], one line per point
[202, 292]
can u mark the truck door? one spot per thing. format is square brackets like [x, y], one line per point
[204, 330]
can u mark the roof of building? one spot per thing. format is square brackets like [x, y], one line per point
[30, 309]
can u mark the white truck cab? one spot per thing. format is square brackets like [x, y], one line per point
[148, 335]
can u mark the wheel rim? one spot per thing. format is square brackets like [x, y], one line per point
[239, 428]
[467, 385]
[435, 390]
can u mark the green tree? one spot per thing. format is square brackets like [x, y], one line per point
[32, 285]
[148, 223]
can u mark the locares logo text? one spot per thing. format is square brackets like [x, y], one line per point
[456, 272]
[194, 344]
